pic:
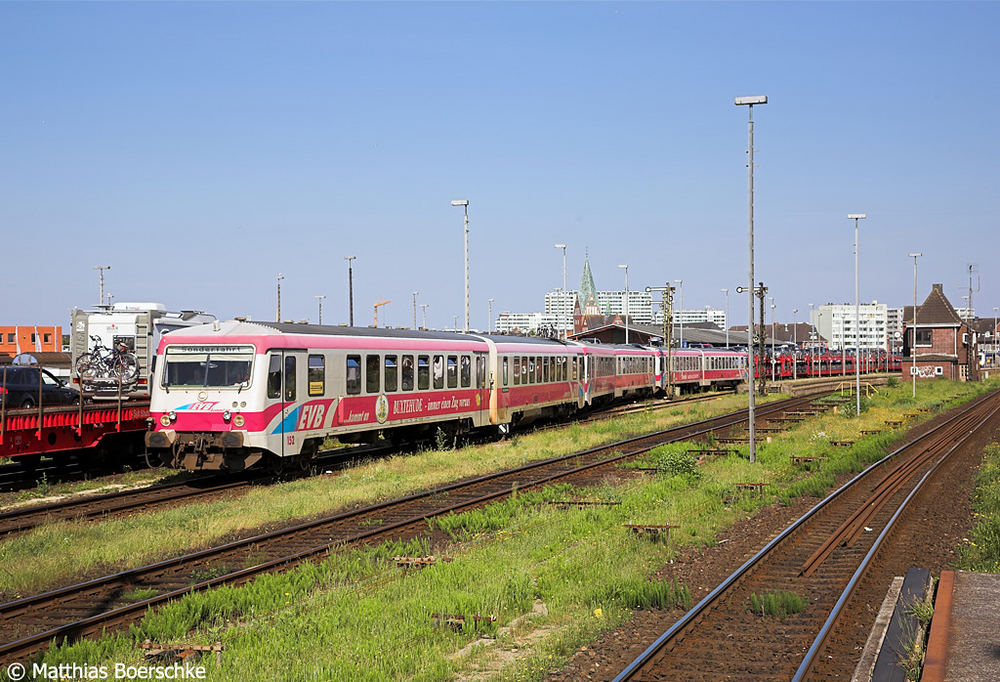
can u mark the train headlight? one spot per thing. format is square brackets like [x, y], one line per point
[164, 420]
[172, 415]
[226, 416]
[238, 420]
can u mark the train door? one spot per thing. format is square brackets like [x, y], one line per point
[480, 382]
[283, 373]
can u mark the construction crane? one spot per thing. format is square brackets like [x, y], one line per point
[377, 306]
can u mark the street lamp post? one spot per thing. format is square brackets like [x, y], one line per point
[278, 315]
[813, 340]
[993, 334]
[319, 298]
[774, 359]
[465, 203]
[913, 345]
[795, 343]
[563, 247]
[626, 301]
[680, 293]
[726, 292]
[415, 293]
[350, 289]
[100, 282]
[749, 102]
[857, 314]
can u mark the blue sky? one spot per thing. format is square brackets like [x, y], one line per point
[200, 149]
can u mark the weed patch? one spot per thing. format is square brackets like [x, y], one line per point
[777, 604]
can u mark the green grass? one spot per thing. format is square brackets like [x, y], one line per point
[39, 559]
[980, 552]
[355, 616]
[777, 604]
[46, 489]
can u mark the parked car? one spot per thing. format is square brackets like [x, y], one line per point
[19, 388]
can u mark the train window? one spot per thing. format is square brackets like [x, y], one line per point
[407, 378]
[538, 370]
[576, 369]
[274, 377]
[465, 367]
[423, 372]
[505, 370]
[531, 370]
[546, 368]
[391, 375]
[524, 370]
[372, 382]
[438, 371]
[317, 375]
[517, 371]
[353, 374]
[480, 371]
[289, 378]
[452, 371]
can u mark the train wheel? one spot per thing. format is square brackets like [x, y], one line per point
[275, 465]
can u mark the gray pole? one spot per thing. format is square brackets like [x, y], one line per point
[993, 335]
[490, 326]
[750, 368]
[626, 302]
[100, 282]
[857, 317]
[465, 204]
[320, 298]
[680, 292]
[465, 328]
[795, 343]
[350, 289]
[423, 309]
[278, 315]
[415, 309]
[773, 358]
[750, 101]
[913, 345]
[726, 292]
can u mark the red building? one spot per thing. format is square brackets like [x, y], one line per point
[945, 344]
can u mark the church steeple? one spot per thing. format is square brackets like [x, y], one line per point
[587, 295]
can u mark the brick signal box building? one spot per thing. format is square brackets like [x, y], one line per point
[945, 344]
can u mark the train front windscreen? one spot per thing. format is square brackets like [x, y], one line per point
[207, 366]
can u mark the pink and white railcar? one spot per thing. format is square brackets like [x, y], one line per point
[228, 395]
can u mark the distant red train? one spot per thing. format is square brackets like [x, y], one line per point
[826, 364]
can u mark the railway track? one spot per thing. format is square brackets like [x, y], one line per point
[822, 557]
[127, 502]
[27, 625]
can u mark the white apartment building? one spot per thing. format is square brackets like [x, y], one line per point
[837, 323]
[560, 304]
[639, 305]
[706, 314]
[526, 323]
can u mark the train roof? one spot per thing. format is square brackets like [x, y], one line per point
[241, 327]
